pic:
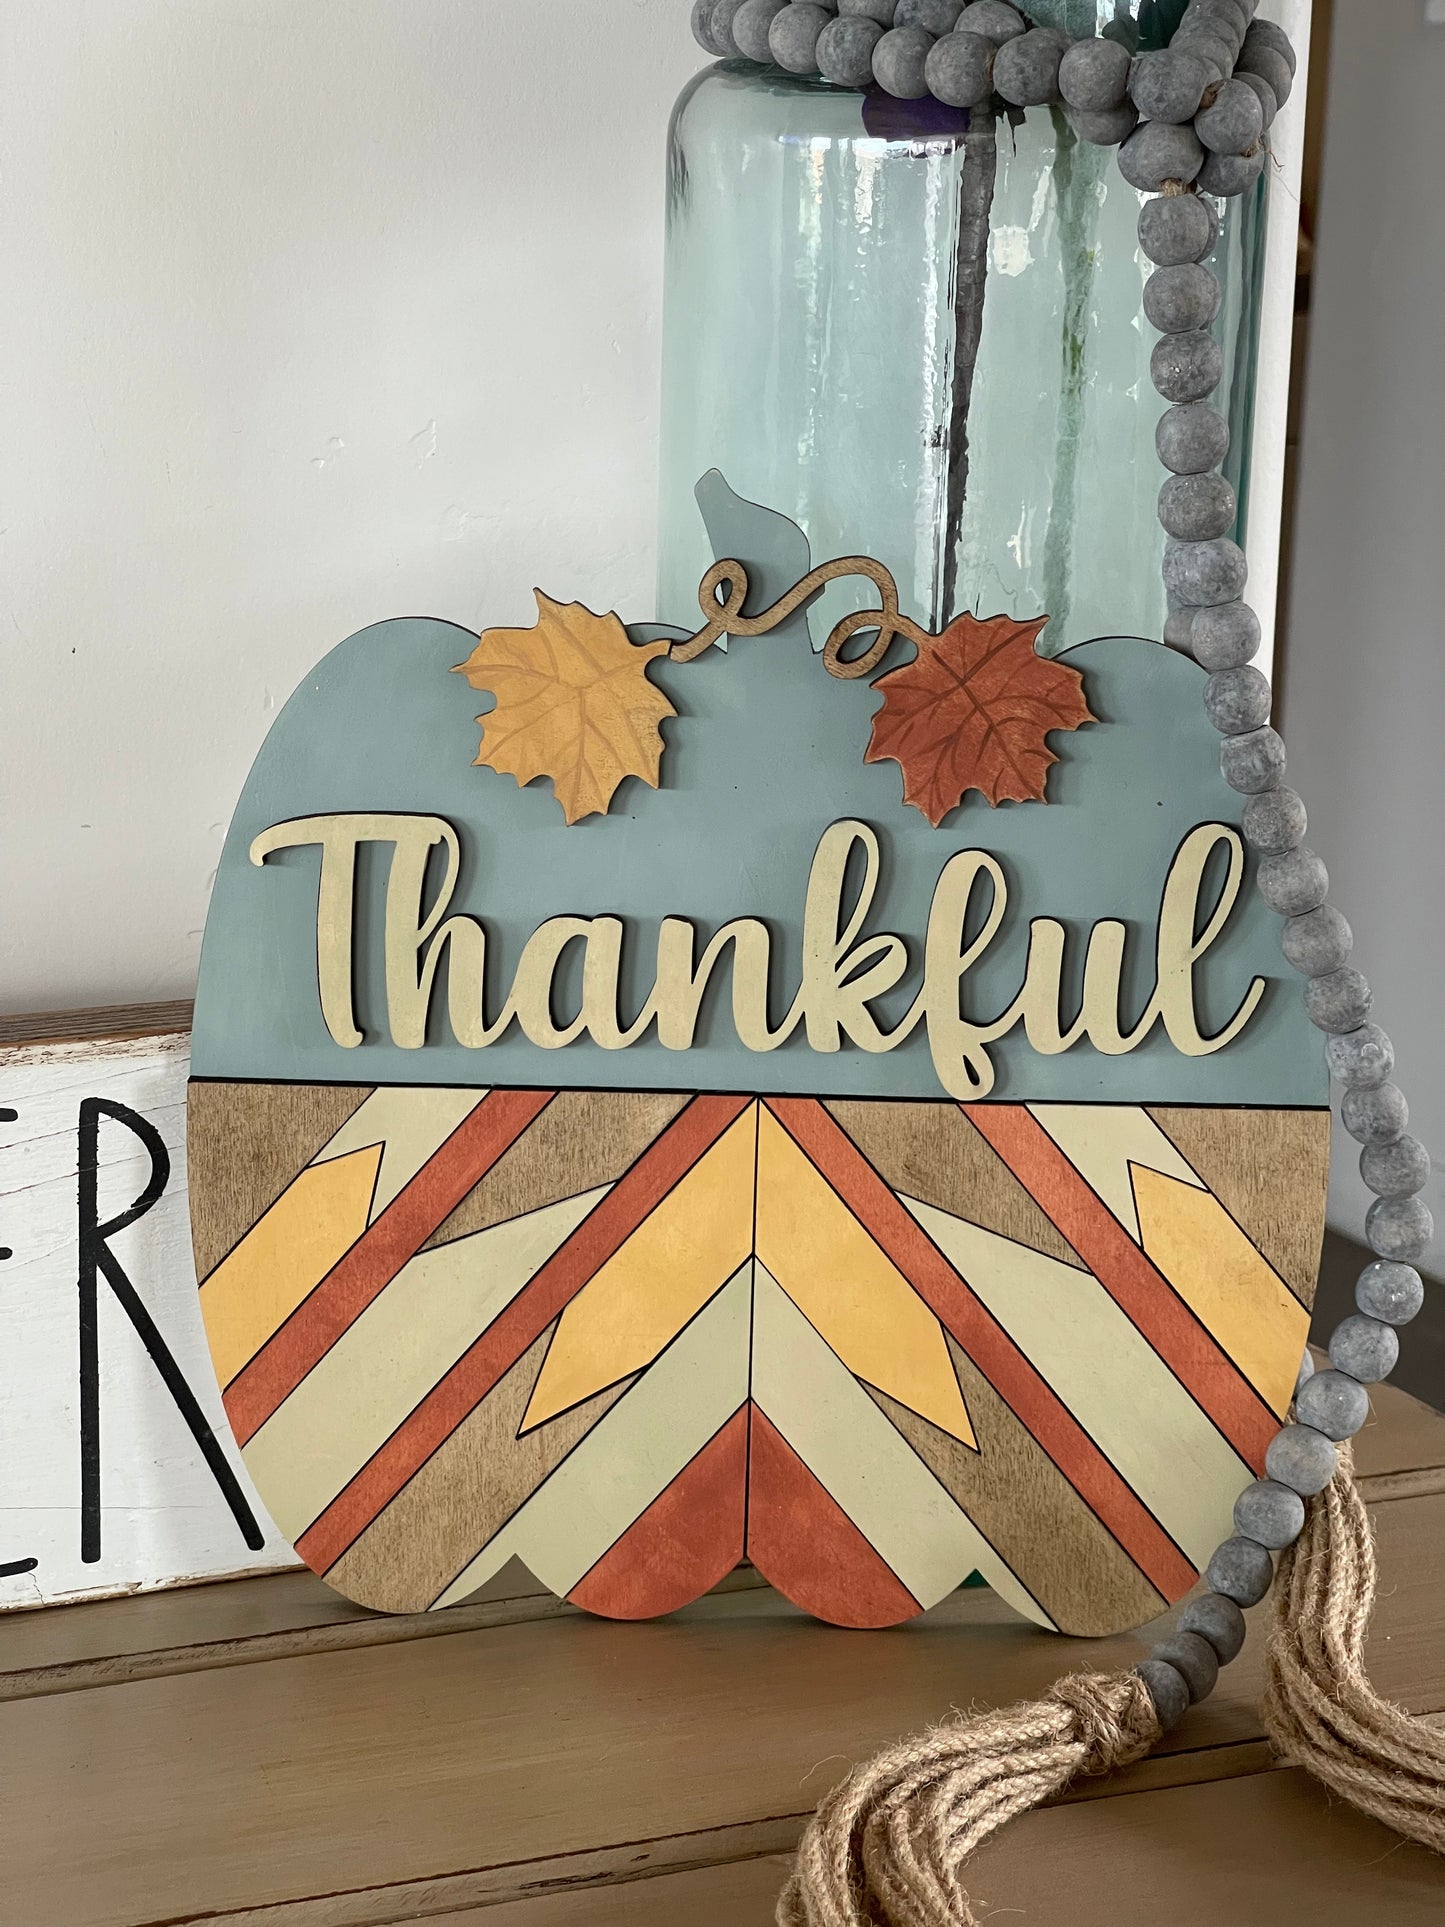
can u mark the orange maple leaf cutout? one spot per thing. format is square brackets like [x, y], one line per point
[573, 703]
[973, 711]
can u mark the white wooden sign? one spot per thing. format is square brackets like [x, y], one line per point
[117, 1469]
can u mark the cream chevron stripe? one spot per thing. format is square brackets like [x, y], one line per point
[1110, 1377]
[410, 1124]
[864, 1463]
[630, 1456]
[407, 1338]
[1103, 1140]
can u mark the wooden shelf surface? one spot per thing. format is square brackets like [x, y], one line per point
[261, 1754]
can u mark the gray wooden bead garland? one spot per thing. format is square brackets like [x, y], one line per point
[1196, 109]
[1190, 120]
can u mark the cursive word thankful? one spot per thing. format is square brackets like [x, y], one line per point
[845, 968]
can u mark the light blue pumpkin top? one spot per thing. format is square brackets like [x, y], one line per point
[766, 752]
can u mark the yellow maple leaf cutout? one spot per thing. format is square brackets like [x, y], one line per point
[573, 703]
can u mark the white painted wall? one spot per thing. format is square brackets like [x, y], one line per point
[1365, 694]
[313, 314]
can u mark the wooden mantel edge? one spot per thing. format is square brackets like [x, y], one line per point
[111, 1022]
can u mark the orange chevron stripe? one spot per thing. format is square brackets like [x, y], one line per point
[693, 1132]
[1132, 1280]
[802, 1540]
[689, 1538]
[396, 1235]
[1007, 1368]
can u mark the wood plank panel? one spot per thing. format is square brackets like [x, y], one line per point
[1262, 1852]
[480, 1753]
[112, 1021]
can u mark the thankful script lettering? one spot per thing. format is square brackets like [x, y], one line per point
[845, 968]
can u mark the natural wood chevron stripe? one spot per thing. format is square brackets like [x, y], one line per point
[964, 1315]
[375, 1259]
[1270, 1170]
[581, 1140]
[1137, 1286]
[245, 1145]
[1018, 1498]
[463, 1495]
[679, 1147]
[930, 1151]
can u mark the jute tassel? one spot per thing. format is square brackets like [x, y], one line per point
[886, 1849]
[1320, 1710]
[888, 1845]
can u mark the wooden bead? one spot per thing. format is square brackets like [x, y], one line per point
[1186, 367]
[1269, 1512]
[1094, 76]
[1340, 1000]
[1265, 33]
[1361, 1060]
[1364, 1348]
[751, 24]
[1257, 58]
[1236, 700]
[1179, 628]
[1198, 508]
[1318, 941]
[1391, 1293]
[1204, 574]
[1026, 68]
[702, 27]
[793, 36]
[1209, 46]
[1168, 86]
[1276, 821]
[1193, 1658]
[1301, 1458]
[1157, 152]
[1334, 1404]
[1228, 175]
[1376, 1114]
[1395, 1170]
[900, 61]
[995, 20]
[1192, 437]
[1264, 94]
[1253, 762]
[959, 69]
[1242, 1570]
[845, 50]
[1227, 18]
[879, 11]
[1398, 1228]
[1182, 298]
[1293, 882]
[1167, 1689]
[1175, 228]
[1216, 1617]
[1233, 121]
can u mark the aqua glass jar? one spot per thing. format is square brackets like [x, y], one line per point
[926, 343]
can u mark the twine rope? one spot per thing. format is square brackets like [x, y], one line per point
[888, 1846]
[1320, 1710]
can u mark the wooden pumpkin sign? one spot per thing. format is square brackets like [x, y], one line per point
[831, 1107]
